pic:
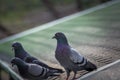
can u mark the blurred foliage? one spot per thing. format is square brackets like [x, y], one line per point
[17, 5]
[17, 8]
[8, 6]
[13, 11]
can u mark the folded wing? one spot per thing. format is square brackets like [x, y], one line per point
[77, 58]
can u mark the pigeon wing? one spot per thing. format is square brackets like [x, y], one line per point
[35, 70]
[77, 58]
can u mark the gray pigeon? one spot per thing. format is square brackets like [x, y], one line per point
[69, 58]
[24, 55]
[32, 71]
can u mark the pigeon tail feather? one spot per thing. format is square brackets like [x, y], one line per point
[90, 66]
[56, 70]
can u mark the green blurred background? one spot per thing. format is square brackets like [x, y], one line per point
[19, 15]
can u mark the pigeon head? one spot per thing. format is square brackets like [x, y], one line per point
[59, 35]
[17, 61]
[61, 38]
[16, 45]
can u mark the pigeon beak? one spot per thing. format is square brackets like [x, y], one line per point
[12, 65]
[53, 37]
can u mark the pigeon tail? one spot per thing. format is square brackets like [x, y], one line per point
[90, 66]
[52, 73]
[56, 70]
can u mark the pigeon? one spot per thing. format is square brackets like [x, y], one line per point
[24, 55]
[32, 71]
[69, 58]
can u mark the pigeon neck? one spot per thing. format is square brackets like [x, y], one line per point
[62, 41]
[20, 52]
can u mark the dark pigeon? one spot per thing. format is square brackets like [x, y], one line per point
[32, 71]
[19, 51]
[24, 55]
[69, 58]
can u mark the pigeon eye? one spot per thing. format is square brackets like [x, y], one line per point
[57, 34]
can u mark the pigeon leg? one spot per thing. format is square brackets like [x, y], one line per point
[68, 74]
